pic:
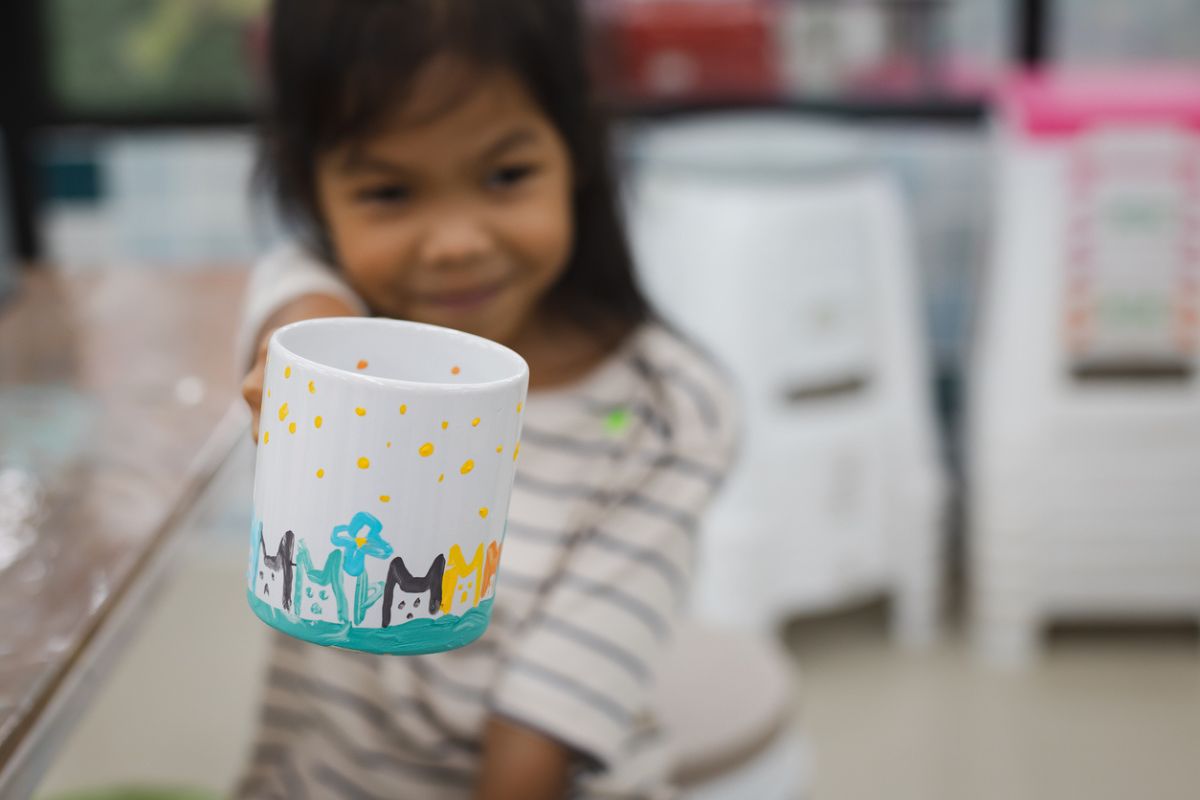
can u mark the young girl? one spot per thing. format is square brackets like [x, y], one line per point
[445, 163]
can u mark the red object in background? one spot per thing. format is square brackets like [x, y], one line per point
[703, 49]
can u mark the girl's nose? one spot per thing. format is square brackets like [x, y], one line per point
[455, 240]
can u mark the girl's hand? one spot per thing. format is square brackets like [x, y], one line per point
[521, 764]
[309, 306]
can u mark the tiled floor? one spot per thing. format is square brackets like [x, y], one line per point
[1105, 715]
[1102, 716]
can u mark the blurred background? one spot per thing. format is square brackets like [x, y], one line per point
[950, 251]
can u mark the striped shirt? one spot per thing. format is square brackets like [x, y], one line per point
[597, 562]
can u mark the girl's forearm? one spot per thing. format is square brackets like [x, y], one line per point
[521, 764]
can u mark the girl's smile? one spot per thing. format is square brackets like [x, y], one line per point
[457, 211]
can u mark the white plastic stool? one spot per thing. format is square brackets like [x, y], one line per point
[729, 710]
[1084, 434]
[779, 247]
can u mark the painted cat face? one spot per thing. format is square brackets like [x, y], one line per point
[318, 602]
[407, 596]
[464, 593]
[412, 605]
[320, 593]
[273, 583]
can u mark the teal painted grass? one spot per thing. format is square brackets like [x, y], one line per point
[412, 638]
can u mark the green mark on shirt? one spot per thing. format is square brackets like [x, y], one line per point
[616, 422]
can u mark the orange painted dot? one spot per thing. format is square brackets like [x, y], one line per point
[318, 422]
[364, 463]
[445, 424]
[362, 412]
[467, 466]
[426, 450]
[320, 473]
[441, 477]
[483, 512]
[287, 372]
[312, 389]
[455, 370]
[283, 412]
[516, 451]
[464, 597]
[475, 422]
[292, 427]
[403, 410]
[362, 364]
[385, 498]
[266, 436]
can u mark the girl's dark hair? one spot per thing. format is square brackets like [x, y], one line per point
[338, 68]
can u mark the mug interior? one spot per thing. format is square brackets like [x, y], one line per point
[395, 350]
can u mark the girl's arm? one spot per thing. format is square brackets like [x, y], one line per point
[309, 306]
[521, 764]
[287, 286]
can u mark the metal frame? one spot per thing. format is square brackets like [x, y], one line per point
[1032, 32]
[22, 108]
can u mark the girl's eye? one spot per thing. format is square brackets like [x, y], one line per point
[508, 177]
[389, 194]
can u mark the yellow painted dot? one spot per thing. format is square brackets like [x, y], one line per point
[519, 407]
[403, 409]
[362, 412]
[364, 463]
[283, 412]
[426, 450]
[268, 394]
[360, 540]
[499, 448]
[483, 512]
[445, 424]
[362, 364]
[287, 372]
[312, 388]
[385, 498]
[320, 473]
[266, 436]
[291, 427]
[475, 422]
[464, 597]
[516, 451]
[467, 466]
[318, 422]
[441, 477]
[389, 444]
[455, 370]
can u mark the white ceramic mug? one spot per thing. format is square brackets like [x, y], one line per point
[386, 458]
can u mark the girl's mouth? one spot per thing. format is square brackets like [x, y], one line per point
[462, 300]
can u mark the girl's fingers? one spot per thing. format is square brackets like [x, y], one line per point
[252, 392]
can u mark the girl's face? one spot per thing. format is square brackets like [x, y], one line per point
[457, 216]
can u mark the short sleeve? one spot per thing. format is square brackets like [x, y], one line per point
[582, 670]
[284, 275]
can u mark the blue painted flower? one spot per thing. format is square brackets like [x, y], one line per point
[360, 539]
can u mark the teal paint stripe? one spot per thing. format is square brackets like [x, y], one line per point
[414, 637]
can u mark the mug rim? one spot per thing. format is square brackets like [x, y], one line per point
[522, 373]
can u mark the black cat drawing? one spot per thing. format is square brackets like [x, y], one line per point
[398, 577]
[275, 571]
